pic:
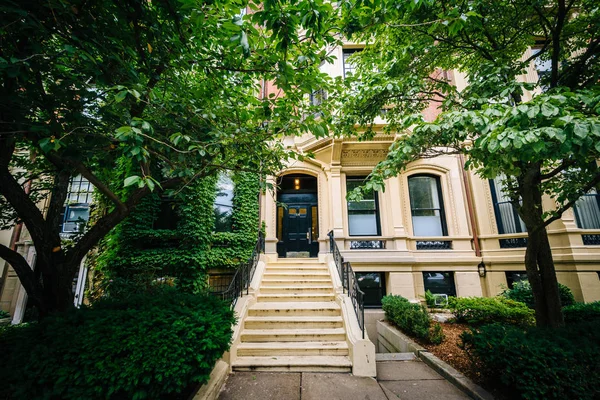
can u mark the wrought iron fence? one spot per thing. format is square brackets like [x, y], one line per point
[243, 275]
[349, 282]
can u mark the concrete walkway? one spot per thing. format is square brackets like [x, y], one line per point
[411, 380]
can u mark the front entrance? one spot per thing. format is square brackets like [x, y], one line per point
[297, 217]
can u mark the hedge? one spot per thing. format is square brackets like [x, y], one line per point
[539, 363]
[151, 346]
[523, 293]
[581, 312]
[411, 318]
[487, 310]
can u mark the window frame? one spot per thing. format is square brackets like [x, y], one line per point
[519, 224]
[382, 286]
[442, 209]
[451, 274]
[377, 208]
[346, 53]
[84, 191]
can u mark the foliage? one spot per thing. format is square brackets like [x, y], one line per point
[487, 310]
[582, 312]
[542, 137]
[148, 346]
[538, 363]
[429, 299]
[521, 291]
[411, 318]
[136, 250]
[4, 314]
[166, 88]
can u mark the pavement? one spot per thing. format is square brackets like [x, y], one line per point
[407, 380]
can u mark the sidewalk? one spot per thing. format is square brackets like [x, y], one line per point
[410, 380]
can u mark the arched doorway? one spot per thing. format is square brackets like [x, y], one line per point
[297, 216]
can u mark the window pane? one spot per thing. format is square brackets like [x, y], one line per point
[439, 283]
[512, 277]
[588, 211]
[223, 206]
[373, 285]
[423, 192]
[427, 225]
[507, 219]
[362, 224]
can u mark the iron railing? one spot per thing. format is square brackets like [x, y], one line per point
[243, 275]
[349, 282]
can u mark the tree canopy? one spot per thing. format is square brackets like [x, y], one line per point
[172, 89]
[543, 137]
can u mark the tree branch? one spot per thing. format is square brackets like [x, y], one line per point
[24, 272]
[558, 213]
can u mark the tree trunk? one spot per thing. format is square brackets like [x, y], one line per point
[538, 256]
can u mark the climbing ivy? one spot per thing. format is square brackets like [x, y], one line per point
[136, 251]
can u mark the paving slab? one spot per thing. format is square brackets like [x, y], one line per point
[320, 386]
[422, 390]
[405, 371]
[261, 386]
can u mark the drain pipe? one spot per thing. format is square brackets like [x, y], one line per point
[470, 207]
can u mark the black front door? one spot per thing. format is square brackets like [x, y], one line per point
[298, 232]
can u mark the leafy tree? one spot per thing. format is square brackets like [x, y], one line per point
[168, 86]
[545, 144]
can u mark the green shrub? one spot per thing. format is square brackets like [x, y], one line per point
[4, 314]
[411, 318]
[522, 292]
[580, 312]
[487, 310]
[150, 346]
[537, 363]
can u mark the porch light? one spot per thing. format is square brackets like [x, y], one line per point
[297, 184]
[481, 269]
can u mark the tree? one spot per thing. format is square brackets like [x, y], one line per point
[169, 89]
[544, 145]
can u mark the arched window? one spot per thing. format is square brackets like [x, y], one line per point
[587, 210]
[507, 218]
[427, 206]
[223, 206]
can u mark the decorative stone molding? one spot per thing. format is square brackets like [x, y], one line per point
[363, 156]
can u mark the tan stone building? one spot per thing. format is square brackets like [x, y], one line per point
[436, 227]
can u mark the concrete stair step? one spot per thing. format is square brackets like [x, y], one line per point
[294, 274]
[299, 308]
[293, 349]
[382, 357]
[293, 297]
[295, 289]
[293, 363]
[293, 335]
[306, 281]
[281, 322]
[297, 267]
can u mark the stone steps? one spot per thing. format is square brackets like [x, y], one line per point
[293, 349]
[279, 322]
[293, 364]
[294, 297]
[293, 335]
[295, 325]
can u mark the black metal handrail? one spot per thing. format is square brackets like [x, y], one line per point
[243, 275]
[349, 282]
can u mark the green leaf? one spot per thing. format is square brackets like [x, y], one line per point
[132, 180]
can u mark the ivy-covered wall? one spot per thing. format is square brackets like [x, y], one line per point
[136, 249]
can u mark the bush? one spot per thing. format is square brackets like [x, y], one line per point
[4, 314]
[522, 292]
[151, 346]
[487, 310]
[581, 312]
[538, 363]
[411, 318]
